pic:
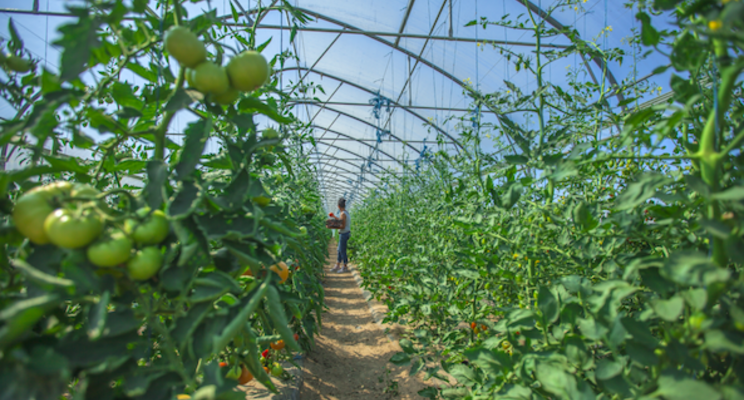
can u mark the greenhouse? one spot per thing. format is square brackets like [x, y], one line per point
[454, 199]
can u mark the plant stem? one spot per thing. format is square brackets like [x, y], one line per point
[162, 128]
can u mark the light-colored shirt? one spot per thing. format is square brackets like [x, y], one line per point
[347, 227]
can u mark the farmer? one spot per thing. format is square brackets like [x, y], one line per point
[343, 237]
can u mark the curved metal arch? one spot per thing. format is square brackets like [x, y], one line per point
[345, 114]
[350, 187]
[356, 173]
[356, 140]
[370, 91]
[376, 184]
[363, 160]
[383, 41]
[528, 4]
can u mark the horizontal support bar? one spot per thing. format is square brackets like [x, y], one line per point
[330, 30]
[343, 103]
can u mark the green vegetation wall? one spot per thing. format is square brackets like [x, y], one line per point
[185, 284]
[598, 252]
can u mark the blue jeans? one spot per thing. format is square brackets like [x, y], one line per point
[343, 239]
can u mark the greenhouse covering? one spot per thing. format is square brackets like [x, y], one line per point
[383, 84]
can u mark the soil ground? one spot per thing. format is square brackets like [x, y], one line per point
[350, 360]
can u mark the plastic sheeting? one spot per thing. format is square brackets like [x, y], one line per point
[417, 82]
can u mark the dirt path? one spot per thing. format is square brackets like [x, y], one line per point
[352, 351]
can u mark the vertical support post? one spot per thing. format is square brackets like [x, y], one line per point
[450, 18]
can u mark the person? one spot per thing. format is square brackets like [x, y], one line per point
[343, 238]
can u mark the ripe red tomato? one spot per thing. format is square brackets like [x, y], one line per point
[245, 375]
[473, 325]
[265, 353]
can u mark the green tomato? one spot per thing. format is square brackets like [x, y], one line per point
[234, 373]
[29, 214]
[185, 46]
[210, 78]
[277, 370]
[270, 133]
[111, 251]
[145, 263]
[17, 64]
[696, 320]
[83, 190]
[263, 360]
[151, 231]
[226, 98]
[262, 201]
[72, 229]
[248, 71]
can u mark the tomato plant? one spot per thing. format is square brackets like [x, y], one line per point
[114, 289]
[600, 243]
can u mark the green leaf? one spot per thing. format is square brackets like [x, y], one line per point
[641, 190]
[157, 173]
[179, 100]
[693, 268]
[641, 354]
[251, 104]
[735, 193]
[186, 326]
[400, 359]
[722, 341]
[516, 159]
[492, 362]
[674, 385]
[78, 40]
[649, 35]
[548, 304]
[129, 164]
[591, 329]
[608, 369]
[640, 332]
[143, 72]
[21, 316]
[556, 379]
[716, 228]
[406, 345]
[97, 316]
[696, 298]
[66, 164]
[668, 310]
[193, 147]
[185, 201]
[39, 278]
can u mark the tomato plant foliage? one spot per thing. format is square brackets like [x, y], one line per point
[597, 254]
[168, 296]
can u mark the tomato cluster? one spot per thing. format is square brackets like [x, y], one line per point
[68, 216]
[245, 72]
